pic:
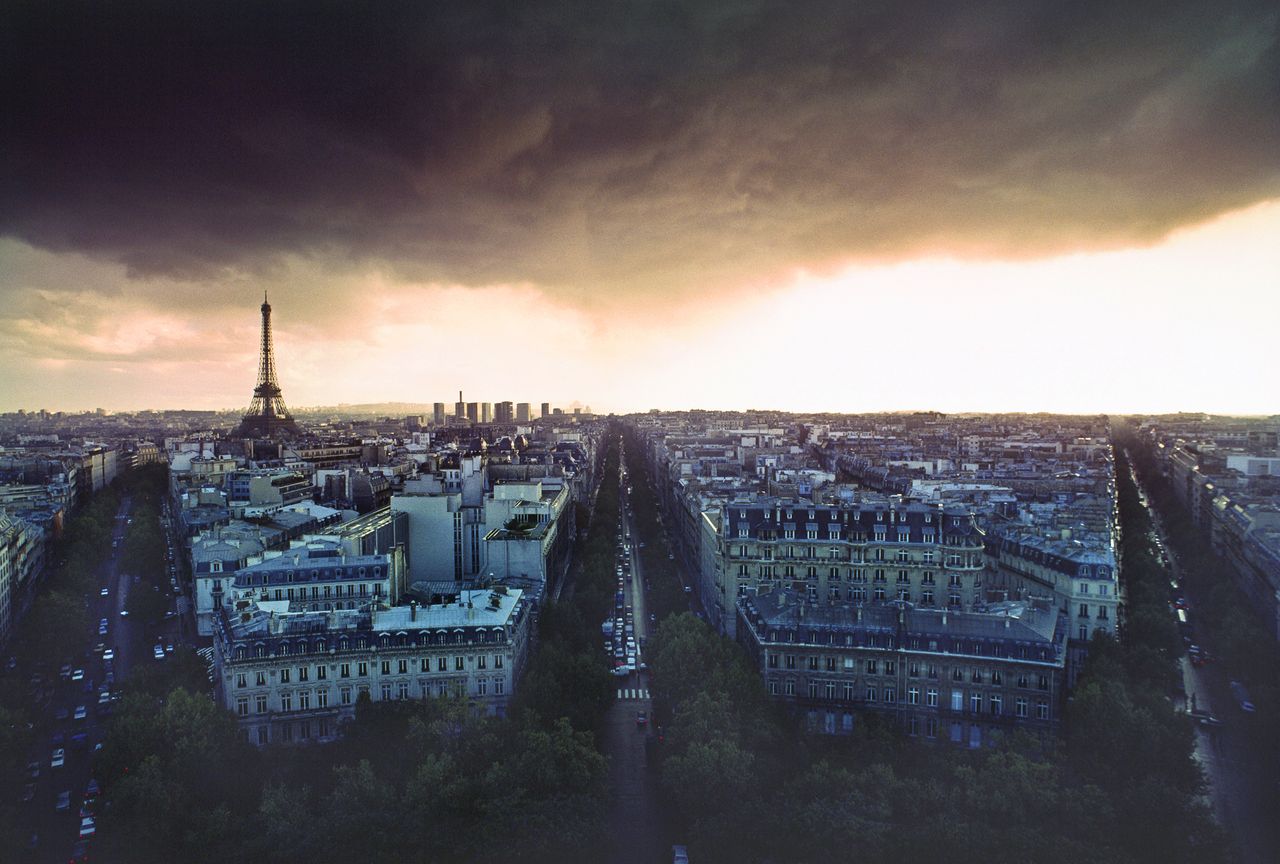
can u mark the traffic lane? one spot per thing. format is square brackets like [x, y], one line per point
[635, 812]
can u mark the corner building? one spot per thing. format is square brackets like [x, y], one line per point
[961, 677]
[294, 676]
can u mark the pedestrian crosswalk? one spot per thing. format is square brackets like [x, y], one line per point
[633, 693]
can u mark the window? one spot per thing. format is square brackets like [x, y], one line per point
[791, 661]
[913, 725]
[773, 687]
[1043, 682]
[926, 598]
[322, 698]
[442, 664]
[957, 700]
[261, 679]
[831, 689]
[402, 667]
[459, 663]
[1022, 681]
[813, 664]
[931, 697]
[497, 686]
[242, 680]
[284, 676]
[997, 679]
[304, 700]
[772, 661]
[813, 689]
[913, 695]
[302, 673]
[890, 694]
[913, 670]
[931, 727]
[1084, 632]
[1020, 706]
[1084, 610]
[386, 692]
[497, 661]
[831, 664]
[957, 733]
[997, 704]
[344, 671]
[260, 703]
[242, 706]
[482, 687]
[362, 668]
[975, 703]
[344, 695]
[848, 691]
[791, 688]
[264, 735]
[872, 667]
[386, 667]
[871, 694]
[402, 690]
[286, 701]
[1042, 710]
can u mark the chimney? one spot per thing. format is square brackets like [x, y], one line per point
[1006, 621]
[413, 610]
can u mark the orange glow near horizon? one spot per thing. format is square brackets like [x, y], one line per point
[1182, 325]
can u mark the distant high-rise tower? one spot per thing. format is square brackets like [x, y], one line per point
[437, 413]
[546, 409]
[267, 416]
[522, 412]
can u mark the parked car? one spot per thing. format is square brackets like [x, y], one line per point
[108, 655]
[79, 853]
[158, 652]
[105, 592]
[64, 801]
[642, 719]
[58, 758]
[77, 675]
[81, 712]
[87, 826]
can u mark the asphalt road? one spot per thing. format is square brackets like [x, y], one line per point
[1242, 790]
[59, 831]
[636, 819]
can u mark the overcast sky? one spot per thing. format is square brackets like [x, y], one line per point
[845, 206]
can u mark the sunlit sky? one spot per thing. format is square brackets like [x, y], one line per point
[992, 209]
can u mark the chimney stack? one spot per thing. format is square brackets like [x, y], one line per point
[413, 610]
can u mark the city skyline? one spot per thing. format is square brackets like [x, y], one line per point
[726, 207]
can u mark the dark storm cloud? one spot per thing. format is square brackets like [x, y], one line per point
[601, 147]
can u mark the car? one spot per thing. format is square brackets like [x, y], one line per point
[158, 652]
[1242, 697]
[1181, 603]
[28, 793]
[1208, 720]
[104, 697]
[77, 675]
[99, 648]
[168, 648]
[81, 712]
[64, 801]
[33, 770]
[65, 671]
[108, 655]
[91, 791]
[61, 714]
[109, 679]
[642, 719]
[79, 739]
[124, 613]
[621, 671]
[87, 826]
[58, 758]
[688, 589]
[79, 853]
[105, 592]
[102, 622]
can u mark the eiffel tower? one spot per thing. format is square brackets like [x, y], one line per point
[267, 416]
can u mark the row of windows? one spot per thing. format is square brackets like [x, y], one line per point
[385, 640]
[887, 694]
[872, 666]
[385, 667]
[300, 730]
[857, 575]
[308, 700]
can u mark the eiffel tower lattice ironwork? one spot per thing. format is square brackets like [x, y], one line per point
[267, 416]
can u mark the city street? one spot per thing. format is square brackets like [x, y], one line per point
[635, 785]
[58, 829]
[1241, 792]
